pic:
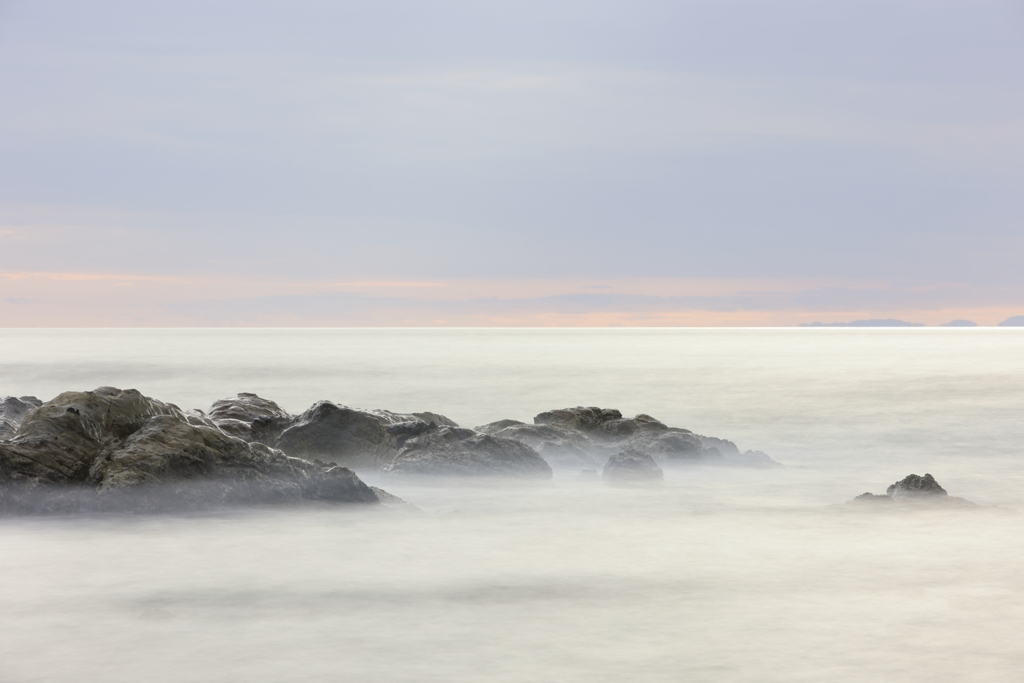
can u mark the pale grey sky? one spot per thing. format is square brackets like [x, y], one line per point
[282, 143]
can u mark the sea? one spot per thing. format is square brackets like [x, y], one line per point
[718, 574]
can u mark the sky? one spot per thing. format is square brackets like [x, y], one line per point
[309, 163]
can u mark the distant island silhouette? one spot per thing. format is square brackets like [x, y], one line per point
[1015, 321]
[888, 322]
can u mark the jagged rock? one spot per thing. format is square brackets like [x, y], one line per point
[914, 491]
[119, 450]
[586, 420]
[355, 438]
[452, 451]
[599, 432]
[631, 465]
[250, 418]
[913, 485]
[13, 411]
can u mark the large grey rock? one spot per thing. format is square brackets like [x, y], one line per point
[13, 411]
[119, 450]
[361, 439]
[455, 452]
[631, 465]
[599, 432]
[560, 446]
[250, 418]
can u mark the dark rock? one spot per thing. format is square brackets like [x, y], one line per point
[599, 432]
[119, 450]
[632, 465]
[356, 438]
[452, 452]
[723, 446]
[915, 491]
[250, 418]
[912, 485]
[559, 446]
[586, 420]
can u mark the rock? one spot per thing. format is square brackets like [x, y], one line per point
[559, 446]
[454, 452]
[391, 500]
[119, 450]
[913, 485]
[586, 420]
[631, 465]
[250, 418]
[599, 432]
[871, 498]
[914, 491]
[356, 438]
[672, 446]
[13, 411]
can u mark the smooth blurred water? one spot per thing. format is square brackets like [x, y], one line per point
[719, 574]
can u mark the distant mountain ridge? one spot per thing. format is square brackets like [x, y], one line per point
[1015, 321]
[888, 322]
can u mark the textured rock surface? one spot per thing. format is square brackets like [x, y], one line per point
[250, 418]
[13, 411]
[361, 439]
[568, 437]
[631, 465]
[452, 452]
[119, 450]
[912, 485]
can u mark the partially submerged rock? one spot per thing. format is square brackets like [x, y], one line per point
[913, 486]
[361, 439]
[582, 437]
[913, 490]
[456, 452]
[560, 446]
[119, 450]
[631, 465]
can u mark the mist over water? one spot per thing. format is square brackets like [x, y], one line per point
[723, 574]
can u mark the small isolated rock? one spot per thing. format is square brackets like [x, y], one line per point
[913, 491]
[631, 465]
[913, 485]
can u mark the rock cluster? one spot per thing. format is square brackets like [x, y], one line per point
[585, 438]
[110, 449]
[114, 449]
